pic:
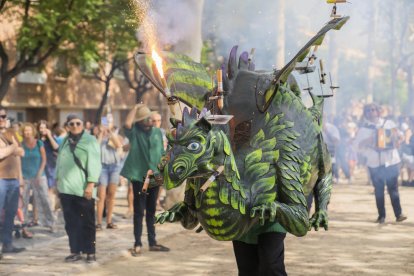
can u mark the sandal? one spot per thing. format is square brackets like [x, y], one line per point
[135, 251]
[26, 234]
[111, 226]
[32, 224]
[99, 227]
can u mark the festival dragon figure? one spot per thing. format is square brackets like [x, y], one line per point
[258, 169]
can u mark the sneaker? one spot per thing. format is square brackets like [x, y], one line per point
[401, 218]
[159, 247]
[135, 251]
[380, 220]
[12, 249]
[73, 258]
[90, 258]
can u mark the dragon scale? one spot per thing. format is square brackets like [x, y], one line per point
[271, 158]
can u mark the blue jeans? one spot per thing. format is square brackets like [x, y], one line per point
[386, 176]
[9, 198]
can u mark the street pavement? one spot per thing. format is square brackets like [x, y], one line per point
[354, 245]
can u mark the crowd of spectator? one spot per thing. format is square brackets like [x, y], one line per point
[47, 169]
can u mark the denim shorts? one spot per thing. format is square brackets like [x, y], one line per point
[110, 174]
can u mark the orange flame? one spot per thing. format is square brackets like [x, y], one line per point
[158, 62]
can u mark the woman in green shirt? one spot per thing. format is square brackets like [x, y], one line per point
[78, 169]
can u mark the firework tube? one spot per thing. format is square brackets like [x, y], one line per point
[172, 102]
[220, 88]
[212, 178]
[335, 1]
[147, 181]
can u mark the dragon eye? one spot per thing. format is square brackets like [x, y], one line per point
[193, 146]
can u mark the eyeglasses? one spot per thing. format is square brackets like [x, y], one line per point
[4, 116]
[72, 124]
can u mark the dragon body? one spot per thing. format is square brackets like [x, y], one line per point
[268, 177]
[272, 153]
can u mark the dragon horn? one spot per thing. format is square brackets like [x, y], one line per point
[244, 61]
[186, 117]
[232, 65]
[180, 130]
[203, 113]
[193, 114]
[225, 78]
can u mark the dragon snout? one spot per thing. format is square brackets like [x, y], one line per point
[179, 170]
[176, 172]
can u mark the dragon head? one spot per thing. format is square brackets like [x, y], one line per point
[192, 150]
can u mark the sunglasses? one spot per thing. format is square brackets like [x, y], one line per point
[72, 124]
[3, 116]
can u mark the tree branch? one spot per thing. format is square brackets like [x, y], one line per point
[125, 70]
[70, 5]
[2, 4]
[26, 9]
[97, 76]
[4, 59]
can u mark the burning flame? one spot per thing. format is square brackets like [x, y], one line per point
[158, 62]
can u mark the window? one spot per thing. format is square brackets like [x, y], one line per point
[61, 67]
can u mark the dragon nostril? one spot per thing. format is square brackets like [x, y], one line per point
[179, 170]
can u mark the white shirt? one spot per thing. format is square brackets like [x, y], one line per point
[376, 158]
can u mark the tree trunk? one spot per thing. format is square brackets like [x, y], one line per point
[410, 86]
[280, 35]
[370, 77]
[393, 69]
[103, 103]
[333, 70]
[4, 86]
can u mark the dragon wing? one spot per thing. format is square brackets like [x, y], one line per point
[186, 79]
[283, 74]
[317, 40]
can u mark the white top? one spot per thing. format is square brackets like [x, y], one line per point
[375, 157]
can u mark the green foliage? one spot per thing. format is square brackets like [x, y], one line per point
[53, 23]
[77, 29]
[113, 32]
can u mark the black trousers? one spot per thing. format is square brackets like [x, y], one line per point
[261, 259]
[79, 215]
[388, 176]
[144, 203]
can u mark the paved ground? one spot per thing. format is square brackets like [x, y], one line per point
[354, 245]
